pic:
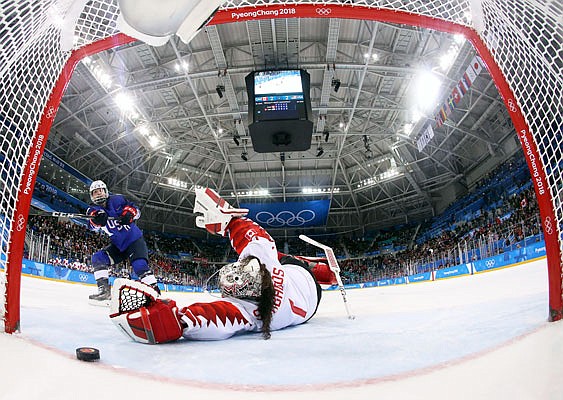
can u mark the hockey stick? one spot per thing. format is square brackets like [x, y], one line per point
[60, 214]
[334, 267]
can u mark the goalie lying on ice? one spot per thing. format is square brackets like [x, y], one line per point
[262, 292]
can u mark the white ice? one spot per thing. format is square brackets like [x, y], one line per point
[478, 337]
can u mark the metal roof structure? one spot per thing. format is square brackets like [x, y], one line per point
[181, 133]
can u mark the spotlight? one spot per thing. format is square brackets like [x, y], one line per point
[220, 89]
[244, 156]
[320, 151]
[326, 135]
[335, 84]
[236, 138]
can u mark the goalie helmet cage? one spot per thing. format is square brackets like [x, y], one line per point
[519, 42]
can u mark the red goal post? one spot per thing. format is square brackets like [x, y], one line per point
[519, 42]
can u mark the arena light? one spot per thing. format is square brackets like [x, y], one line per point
[181, 66]
[251, 193]
[125, 103]
[427, 87]
[177, 183]
[154, 141]
[99, 73]
[149, 136]
[318, 190]
[388, 175]
[459, 39]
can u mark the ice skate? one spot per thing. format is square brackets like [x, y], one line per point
[103, 297]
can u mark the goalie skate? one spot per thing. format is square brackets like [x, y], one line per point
[214, 212]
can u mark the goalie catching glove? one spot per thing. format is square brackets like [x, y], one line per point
[137, 311]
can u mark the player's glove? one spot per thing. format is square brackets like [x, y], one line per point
[127, 216]
[100, 218]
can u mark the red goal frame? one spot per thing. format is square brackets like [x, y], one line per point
[341, 11]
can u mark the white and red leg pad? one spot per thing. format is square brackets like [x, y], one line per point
[242, 231]
[157, 323]
[214, 212]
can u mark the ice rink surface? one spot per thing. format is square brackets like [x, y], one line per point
[479, 337]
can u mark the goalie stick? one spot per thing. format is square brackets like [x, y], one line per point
[334, 267]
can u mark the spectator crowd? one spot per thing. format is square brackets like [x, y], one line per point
[489, 220]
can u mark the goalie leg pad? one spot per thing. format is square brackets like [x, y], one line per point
[157, 323]
[214, 213]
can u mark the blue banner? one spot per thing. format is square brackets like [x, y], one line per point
[45, 190]
[64, 166]
[289, 214]
[452, 271]
[425, 276]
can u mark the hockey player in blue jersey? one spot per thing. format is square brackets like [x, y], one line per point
[116, 216]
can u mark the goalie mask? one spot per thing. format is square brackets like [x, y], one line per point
[101, 196]
[242, 280]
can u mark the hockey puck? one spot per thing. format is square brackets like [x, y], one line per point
[87, 354]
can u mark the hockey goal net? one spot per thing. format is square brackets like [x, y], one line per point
[519, 41]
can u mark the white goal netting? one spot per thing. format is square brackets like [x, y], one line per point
[519, 40]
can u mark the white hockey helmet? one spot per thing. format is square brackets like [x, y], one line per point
[100, 198]
[241, 279]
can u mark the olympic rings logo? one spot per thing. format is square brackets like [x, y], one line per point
[83, 277]
[490, 263]
[285, 218]
[323, 11]
[51, 112]
[548, 226]
[20, 223]
[511, 105]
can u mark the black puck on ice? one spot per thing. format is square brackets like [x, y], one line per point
[87, 354]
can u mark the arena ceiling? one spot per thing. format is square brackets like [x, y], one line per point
[174, 91]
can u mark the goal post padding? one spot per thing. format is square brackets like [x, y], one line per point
[446, 16]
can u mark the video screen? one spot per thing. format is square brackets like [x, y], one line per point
[279, 82]
[278, 95]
